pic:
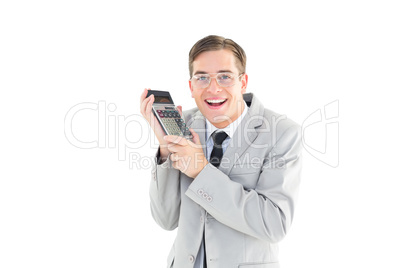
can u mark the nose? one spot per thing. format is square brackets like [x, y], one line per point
[214, 87]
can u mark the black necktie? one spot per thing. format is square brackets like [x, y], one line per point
[217, 151]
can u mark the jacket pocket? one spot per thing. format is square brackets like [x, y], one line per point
[259, 265]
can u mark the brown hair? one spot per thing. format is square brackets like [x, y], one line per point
[214, 42]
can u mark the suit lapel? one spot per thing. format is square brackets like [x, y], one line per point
[245, 134]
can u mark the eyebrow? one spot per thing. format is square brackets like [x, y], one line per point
[220, 71]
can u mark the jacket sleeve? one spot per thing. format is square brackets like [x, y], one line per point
[164, 194]
[265, 212]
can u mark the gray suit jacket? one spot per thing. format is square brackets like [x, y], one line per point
[245, 207]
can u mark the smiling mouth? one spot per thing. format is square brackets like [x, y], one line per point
[216, 102]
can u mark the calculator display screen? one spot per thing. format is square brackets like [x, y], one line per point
[163, 99]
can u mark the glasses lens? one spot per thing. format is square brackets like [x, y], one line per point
[225, 79]
[201, 80]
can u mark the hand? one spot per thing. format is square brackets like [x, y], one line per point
[146, 111]
[187, 156]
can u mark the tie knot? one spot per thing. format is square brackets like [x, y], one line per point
[219, 137]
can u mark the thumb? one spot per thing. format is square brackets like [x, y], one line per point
[196, 138]
[180, 110]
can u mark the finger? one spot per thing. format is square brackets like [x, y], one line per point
[144, 104]
[174, 157]
[175, 162]
[143, 95]
[146, 108]
[196, 138]
[149, 105]
[144, 99]
[180, 110]
[176, 139]
[173, 148]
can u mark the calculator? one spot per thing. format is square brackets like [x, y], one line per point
[168, 115]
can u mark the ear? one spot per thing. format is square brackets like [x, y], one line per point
[191, 88]
[244, 82]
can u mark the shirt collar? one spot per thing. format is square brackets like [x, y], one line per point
[230, 129]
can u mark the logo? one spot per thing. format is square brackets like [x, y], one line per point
[320, 134]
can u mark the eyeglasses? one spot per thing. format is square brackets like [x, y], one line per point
[202, 81]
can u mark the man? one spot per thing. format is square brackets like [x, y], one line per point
[231, 190]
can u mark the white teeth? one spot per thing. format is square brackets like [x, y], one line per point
[215, 101]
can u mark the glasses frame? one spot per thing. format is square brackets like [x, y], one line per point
[214, 77]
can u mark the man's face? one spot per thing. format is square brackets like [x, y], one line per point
[228, 101]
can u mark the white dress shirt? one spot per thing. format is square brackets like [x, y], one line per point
[230, 130]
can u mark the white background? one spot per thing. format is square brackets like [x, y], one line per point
[63, 206]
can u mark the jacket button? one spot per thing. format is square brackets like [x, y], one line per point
[205, 195]
[200, 191]
[191, 258]
[209, 199]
